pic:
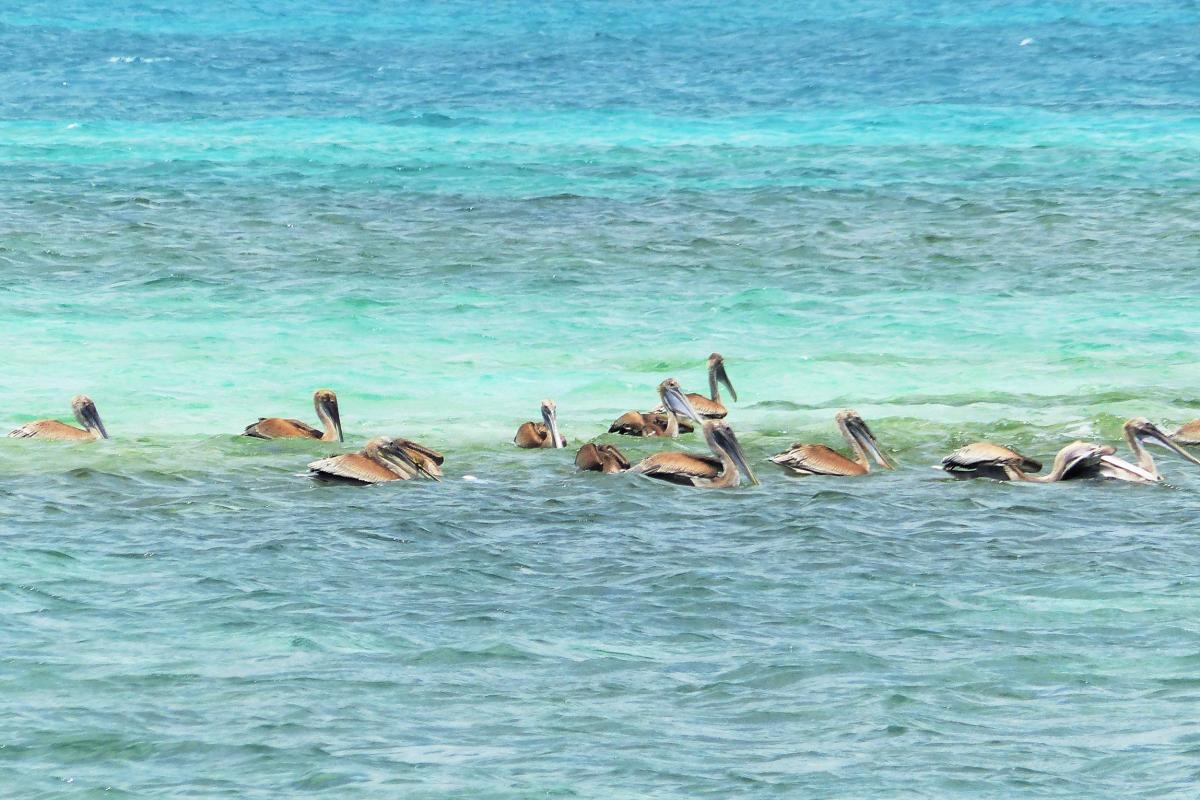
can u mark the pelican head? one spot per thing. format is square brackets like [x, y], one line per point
[675, 401]
[852, 423]
[392, 450]
[722, 439]
[550, 417]
[1077, 453]
[87, 415]
[1146, 432]
[325, 402]
[716, 372]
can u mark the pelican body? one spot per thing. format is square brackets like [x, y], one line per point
[325, 402]
[383, 459]
[1140, 432]
[674, 403]
[704, 472]
[987, 460]
[85, 413]
[533, 435]
[817, 459]
[601, 458]
[1188, 434]
[711, 407]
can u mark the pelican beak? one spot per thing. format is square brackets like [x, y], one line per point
[91, 419]
[861, 433]
[1155, 436]
[401, 455]
[550, 417]
[1129, 466]
[331, 408]
[720, 374]
[675, 401]
[730, 444]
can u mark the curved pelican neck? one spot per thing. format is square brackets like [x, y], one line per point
[729, 472]
[860, 453]
[1144, 459]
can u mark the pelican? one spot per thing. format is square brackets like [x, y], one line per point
[326, 404]
[675, 403]
[85, 414]
[1076, 460]
[704, 472]
[1139, 432]
[541, 434]
[987, 460]
[601, 458]
[817, 459]
[711, 407]
[383, 459]
[1188, 434]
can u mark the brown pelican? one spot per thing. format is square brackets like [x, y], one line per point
[1139, 432]
[817, 459]
[987, 460]
[1076, 460]
[711, 407]
[601, 458]
[1188, 434]
[383, 459]
[85, 413]
[675, 404]
[326, 404]
[704, 472]
[541, 434]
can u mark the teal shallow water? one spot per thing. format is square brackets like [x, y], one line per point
[206, 213]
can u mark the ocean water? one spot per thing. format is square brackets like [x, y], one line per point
[970, 220]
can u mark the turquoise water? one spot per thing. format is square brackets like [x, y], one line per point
[967, 221]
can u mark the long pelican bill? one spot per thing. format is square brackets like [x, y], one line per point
[90, 418]
[396, 452]
[863, 435]
[1121, 464]
[728, 441]
[550, 417]
[723, 377]
[1152, 435]
[330, 405]
[677, 402]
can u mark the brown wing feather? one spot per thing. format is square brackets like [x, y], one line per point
[979, 455]
[353, 467]
[279, 428]
[1188, 433]
[631, 423]
[706, 406]
[683, 468]
[601, 458]
[817, 459]
[531, 435]
[51, 429]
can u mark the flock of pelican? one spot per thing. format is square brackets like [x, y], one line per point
[388, 458]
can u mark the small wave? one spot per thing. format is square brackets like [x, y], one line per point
[138, 59]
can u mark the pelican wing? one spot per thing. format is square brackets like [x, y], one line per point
[1188, 433]
[682, 468]
[530, 435]
[601, 458]
[353, 467]
[631, 423]
[817, 459]
[50, 429]
[278, 428]
[980, 455]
